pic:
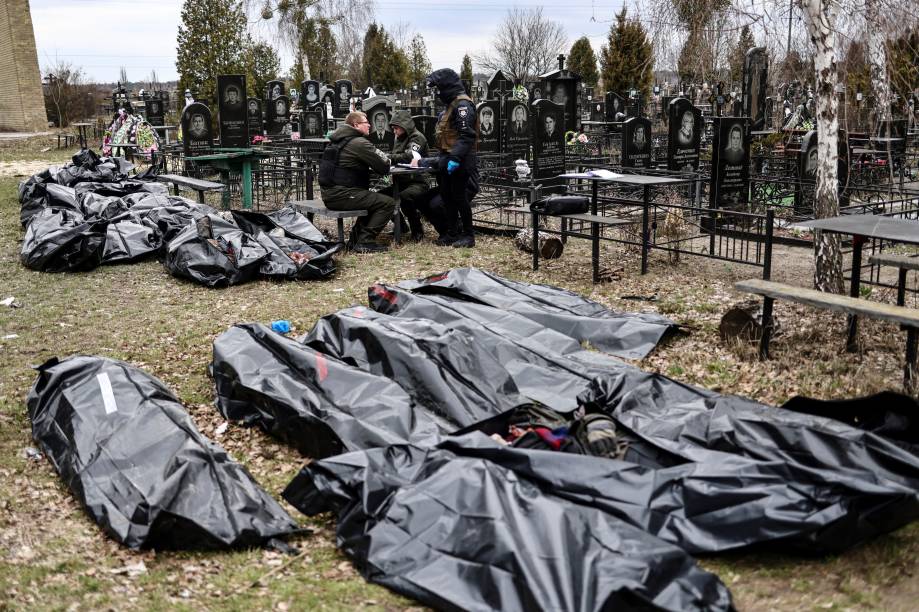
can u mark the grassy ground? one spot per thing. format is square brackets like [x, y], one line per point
[53, 557]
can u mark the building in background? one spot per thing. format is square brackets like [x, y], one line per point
[22, 104]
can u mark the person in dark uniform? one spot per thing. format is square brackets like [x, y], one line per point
[410, 144]
[346, 186]
[456, 138]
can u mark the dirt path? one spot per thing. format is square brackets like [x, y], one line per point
[23, 168]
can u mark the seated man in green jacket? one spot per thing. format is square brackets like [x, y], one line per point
[346, 185]
[409, 144]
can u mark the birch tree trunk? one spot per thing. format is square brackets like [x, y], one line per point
[877, 65]
[877, 58]
[820, 16]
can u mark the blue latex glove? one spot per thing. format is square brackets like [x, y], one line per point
[282, 327]
[452, 166]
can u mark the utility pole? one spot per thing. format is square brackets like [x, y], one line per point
[791, 10]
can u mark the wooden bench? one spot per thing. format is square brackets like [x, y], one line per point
[69, 139]
[906, 317]
[316, 207]
[199, 185]
[595, 220]
[904, 264]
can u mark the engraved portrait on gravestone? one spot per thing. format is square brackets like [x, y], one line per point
[687, 129]
[197, 126]
[231, 96]
[254, 110]
[311, 94]
[537, 93]
[639, 138]
[810, 164]
[560, 94]
[733, 151]
[548, 133]
[381, 131]
[519, 127]
[276, 91]
[312, 125]
[280, 108]
[486, 121]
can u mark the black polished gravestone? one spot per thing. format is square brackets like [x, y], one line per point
[489, 116]
[155, 112]
[615, 107]
[684, 133]
[894, 129]
[379, 112]
[807, 157]
[310, 93]
[730, 182]
[548, 143]
[517, 129]
[534, 89]
[278, 116]
[231, 104]
[636, 143]
[323, 111]
[498, 85]
[254, 117]
[311, 124]
[343, 92]
[755, 78]
[197, 135]
[597, 111]
[426, 124]
[274, 89]
[563, 87]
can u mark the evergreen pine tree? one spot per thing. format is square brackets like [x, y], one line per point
[583, 61]
[626, 61]
[262, 65]
[466, 71]
[211, 41]
[739, 53]
[420, 65]
[384, 64]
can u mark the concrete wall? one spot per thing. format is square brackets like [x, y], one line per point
[22, 106]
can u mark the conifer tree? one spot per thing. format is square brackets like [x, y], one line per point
[420, 65]
[383, 63]
[626, 60]
[466, 70]
[262, 65]
[583, 61]
[211, 40]
[739, 53]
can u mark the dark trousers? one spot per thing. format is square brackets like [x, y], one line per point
[456, 202]
[379, 209]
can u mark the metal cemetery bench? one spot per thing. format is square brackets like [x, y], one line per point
[853, 306]
[199, 185]
[595, 220]
[316, 207]
[903, 264]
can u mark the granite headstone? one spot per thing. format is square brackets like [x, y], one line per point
[636, 143]
[197, 134]
[254, 117]
[231, 104]
[489, 116]
[730, 181]
[548, 142]
[684, 133]
[755, 79]
[517, 129]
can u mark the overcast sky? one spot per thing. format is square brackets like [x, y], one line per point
[102, 35]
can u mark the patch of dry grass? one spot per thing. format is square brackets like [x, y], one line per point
[52, 556]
